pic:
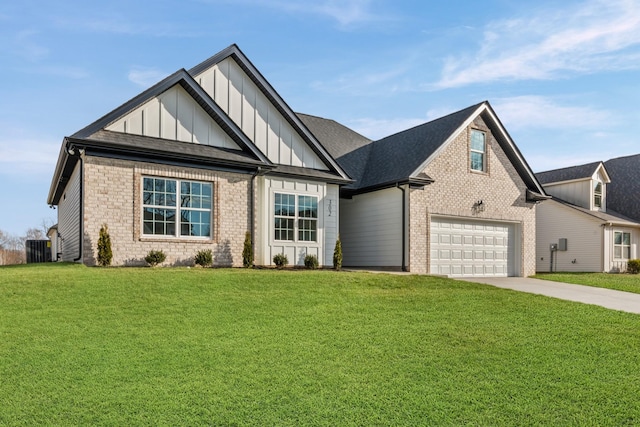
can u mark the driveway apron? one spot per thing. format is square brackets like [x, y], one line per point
[608, 298]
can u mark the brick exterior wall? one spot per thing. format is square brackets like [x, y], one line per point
[457, 188]
[112, 196]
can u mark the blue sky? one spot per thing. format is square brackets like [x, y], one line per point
[565, 80]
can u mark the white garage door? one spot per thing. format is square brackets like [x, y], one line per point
[461, 247]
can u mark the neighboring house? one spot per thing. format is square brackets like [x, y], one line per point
[453, 196]
[579, 230]
[207, 154]
[193, 163]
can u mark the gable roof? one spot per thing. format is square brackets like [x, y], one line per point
[402, 157]
[623, 193]
[276, 100]
[95, 135]
[572, 173]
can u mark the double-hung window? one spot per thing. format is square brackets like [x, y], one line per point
[621, 245]
[597, 194]
[176, 208]
[478, 151]
[295, 217]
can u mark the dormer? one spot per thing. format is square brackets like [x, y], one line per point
[584, 185]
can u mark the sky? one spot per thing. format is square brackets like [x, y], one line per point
[563, 77]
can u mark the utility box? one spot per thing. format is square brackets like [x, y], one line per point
[553, 247]
[562, 244]
[38, 251]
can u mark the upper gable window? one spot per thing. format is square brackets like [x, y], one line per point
[597, 194]
[478, 151]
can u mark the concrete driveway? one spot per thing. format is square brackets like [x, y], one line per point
[615, 300]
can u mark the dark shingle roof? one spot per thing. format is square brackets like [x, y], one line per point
[349, 148]
[397, 157]
[623, 193]
[568, 174]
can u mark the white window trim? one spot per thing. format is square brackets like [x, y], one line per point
[594, 194]
[296, 218]
[484, 153]
[622, 245]
[177, 235]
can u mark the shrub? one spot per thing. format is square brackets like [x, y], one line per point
[633, 266]
[247, 251]
[337, 254]
[204, 258]
[104, 247]
[311, 261]
[280, 260]
[154, 258]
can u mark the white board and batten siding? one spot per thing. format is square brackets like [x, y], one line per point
[584, 234]
[327, 226]
[371, 229]
[176, 116]
[463, 247]
[251, 110]
[69, 218]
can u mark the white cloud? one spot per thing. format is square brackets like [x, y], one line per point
[598, 35]
[540, 112]
[28, 156]
[345, 12]
[146, 77]
[29, 49]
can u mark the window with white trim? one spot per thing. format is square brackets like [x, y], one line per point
[597, 194]
[621, 245]
[176, 208]
[478, 151]
[295, 217]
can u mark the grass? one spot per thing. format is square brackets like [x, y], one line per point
[620, 282]
[162, 346]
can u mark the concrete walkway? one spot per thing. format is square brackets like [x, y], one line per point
[608, 298]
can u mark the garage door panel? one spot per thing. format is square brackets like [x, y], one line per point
[467, 247]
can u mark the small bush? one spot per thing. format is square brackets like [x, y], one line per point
[104, 247]
[154, 258]
[204, 258]
[280, 260]
[247, 251]
[311, 261]
[633, 266]
[337, 254]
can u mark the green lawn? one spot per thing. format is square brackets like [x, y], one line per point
[620, 282]
[90, 346]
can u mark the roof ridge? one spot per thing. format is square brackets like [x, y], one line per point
[471, 107]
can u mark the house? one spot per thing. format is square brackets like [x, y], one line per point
[210, 153]
[452, 197]
[579, 229]
[193, 163]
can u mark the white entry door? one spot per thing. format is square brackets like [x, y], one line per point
[467, 248]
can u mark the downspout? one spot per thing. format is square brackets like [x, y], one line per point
[72, 151]
[404, 224]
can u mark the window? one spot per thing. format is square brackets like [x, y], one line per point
[295, 216]
[176, 208]
[621, 245]
[478, 150]
[597, 194]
